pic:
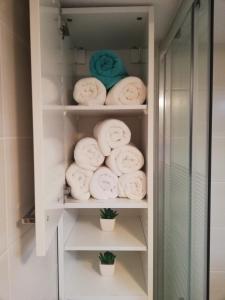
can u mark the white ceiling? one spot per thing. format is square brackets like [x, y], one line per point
[165, 10]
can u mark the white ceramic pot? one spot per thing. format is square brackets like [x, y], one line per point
[107, 224]
[107, 270]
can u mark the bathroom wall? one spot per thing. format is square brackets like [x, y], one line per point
[217, 276]
[23, 276]
[217, 266]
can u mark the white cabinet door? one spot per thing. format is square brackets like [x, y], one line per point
[48, 128]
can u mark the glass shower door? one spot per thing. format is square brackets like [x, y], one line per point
[177, 209]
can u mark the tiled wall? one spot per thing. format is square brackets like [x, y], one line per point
[23, 276]
[218, 178]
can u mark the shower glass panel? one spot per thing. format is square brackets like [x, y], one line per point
[184, 136]
[177, 208]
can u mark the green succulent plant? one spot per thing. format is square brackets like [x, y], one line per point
[107, 258]
[108, 213]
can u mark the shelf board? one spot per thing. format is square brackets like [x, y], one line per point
[88, 236]
[113, 203]
[104, 109]
[84, 282]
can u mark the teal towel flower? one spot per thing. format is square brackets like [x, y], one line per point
[107, 66]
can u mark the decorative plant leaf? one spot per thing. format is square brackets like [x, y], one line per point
[108, 213]
[107, 258]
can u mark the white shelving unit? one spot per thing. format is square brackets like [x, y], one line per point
[79, 236]
[114, 203]
[84, 280]
[87, 235]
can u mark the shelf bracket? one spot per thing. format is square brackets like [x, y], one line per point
[29, 218]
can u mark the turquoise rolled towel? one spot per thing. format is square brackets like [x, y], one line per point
[107, 66]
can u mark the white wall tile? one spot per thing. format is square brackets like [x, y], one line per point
[218, 159]
[14, 15]
[19, 184]
[32, 277]
[217, 285]
[218, 204]
[219, 112]
[4, 277]
[15, 86]
[217, 246]
[3, 242]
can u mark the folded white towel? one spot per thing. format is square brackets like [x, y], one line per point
[125, 159]
[104, 184]
[89, 91]
[87, 154]
[128, 91]
[133, 185]
[79, 181]
[110, 134]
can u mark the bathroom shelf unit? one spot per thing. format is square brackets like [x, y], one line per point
[56, 130]
[113, 203]
[84, 280]
[87, 235]
[100, 109]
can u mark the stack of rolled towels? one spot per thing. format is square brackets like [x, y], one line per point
[109, 84]
[107, 166]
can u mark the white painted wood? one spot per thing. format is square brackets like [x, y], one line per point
[114, 203]
[151, 142]
[83, 280]
[88, 236]
[111, 34]
[46, 220]
[93, 110]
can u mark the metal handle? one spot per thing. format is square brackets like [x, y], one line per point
[29, 218]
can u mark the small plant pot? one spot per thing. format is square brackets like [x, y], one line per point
[107, 270]
[107, 224]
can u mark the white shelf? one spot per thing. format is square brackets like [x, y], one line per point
[88, 236]
[113, 203]
[84, 282]
[104, 109]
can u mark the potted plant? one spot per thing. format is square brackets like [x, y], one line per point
[107, 263]
[108, 219]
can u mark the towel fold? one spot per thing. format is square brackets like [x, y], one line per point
[79, 181]
[87, 154]
[128, 91]
[104, 184]
[133, 185]
[110, 134]
[89, 91]
[125, 159]
[107, 67]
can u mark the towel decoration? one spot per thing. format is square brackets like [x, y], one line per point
[89, 91]
[87, 154]
[79, 182]
[107, 66]
[128, 91]
[104, 184]
[111, 134]
[125, 159]
[121, 176]
[133, 185]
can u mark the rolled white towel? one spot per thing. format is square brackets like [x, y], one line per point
[104, 184]
[133, 185]
[111, 134]
[87, 154]
[128, 91]
[89, 91]
[79, 181]
[125, 159]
